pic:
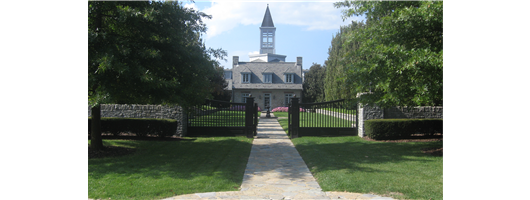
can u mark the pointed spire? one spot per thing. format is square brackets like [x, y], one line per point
[267, 19]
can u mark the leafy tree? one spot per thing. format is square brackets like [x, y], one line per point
[314, 84]
[146, 53]
[335, 86]
[219, 85]
[400, 58]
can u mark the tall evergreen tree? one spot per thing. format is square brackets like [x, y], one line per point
[314, 84]
[335, 83]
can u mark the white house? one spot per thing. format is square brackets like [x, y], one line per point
[267, 76]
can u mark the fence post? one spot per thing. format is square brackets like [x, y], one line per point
[248, 117]
[255, 130]
[296, 117]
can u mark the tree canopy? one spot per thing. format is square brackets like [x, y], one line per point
[148, 53]
[399, 61]
[314, 84]
[335, 86]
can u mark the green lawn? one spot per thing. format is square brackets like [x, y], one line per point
[315, 120]
[220, 118]
[340, 110]
[355, 165]
[280, 114]
[161, 169]
[351, 164]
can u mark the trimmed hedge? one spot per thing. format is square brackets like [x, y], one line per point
[380, 129]
[139, 126]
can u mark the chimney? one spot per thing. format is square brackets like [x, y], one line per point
[299, 61]
[235, 61]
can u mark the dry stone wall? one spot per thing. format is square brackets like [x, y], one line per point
[375, 112]
[145, 111]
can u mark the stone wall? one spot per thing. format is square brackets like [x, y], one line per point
[145, 111]
[375, 112]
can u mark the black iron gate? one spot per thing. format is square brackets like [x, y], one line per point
[332, 118]
[221, 118]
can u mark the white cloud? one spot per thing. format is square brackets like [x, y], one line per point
[253, 52]
[191, 5]
[226, 15]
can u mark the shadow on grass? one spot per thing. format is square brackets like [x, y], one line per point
[218, 159]
[348, 153]
[125, 136]
[399, 170]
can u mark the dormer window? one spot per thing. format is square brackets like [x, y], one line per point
[289, 78]
[245, 77]
[267, 78]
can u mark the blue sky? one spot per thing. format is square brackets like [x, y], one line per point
[302, 28]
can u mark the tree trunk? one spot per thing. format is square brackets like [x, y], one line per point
[95, 141]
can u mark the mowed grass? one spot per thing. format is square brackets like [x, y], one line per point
[314, 120]
[341, 110]
[220, 118]
[161, 169]
[398, 170]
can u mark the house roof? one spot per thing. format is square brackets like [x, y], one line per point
[246, 70]
[267, 70]
[290, 71]
[267, 19]
[259, 68]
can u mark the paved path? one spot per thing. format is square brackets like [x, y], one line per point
[275, 170]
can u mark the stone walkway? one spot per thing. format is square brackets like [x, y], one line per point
[275, 170]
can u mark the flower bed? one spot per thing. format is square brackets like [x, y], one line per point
[284, 109]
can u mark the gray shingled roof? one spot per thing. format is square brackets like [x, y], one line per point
[257, 68]
[245, 69]
[267, 19]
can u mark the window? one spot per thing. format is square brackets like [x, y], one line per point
[228, 75]
[267, 78]
[244, 97]
[287, 99]
[267, 39]
[245, 77]
[289, 78]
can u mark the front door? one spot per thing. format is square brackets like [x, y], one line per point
[267, 101]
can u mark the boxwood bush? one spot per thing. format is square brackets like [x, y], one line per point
[139, 126]
[380, 129]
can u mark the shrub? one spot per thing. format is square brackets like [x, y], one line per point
[139, 126]
[280, 109]
[284, 109]
[380, 129]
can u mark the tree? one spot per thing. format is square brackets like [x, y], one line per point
[314, 84]
[146, 53]
[335, 86]
[400, 58]
[220, 85]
